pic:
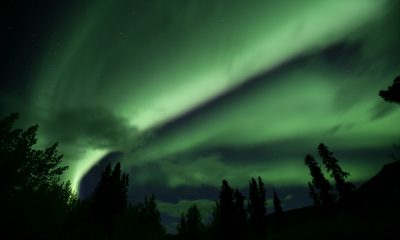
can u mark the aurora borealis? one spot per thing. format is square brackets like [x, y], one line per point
[192, 92]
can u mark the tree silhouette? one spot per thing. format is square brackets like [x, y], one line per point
[191, 226]
[214, 228]
[110, 196]
[150, 217]
[257, 207]
[319, 182]
[314, 195]
[25, 168]
[332, 166]
[229, 215]
[141, 221]
[226, 208]
[30, 186]
[182, 227]
[240, 225]
[392, 94]
[279, 215]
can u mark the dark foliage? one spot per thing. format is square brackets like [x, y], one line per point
[226, 209]
[241, 223]
[25, 168]
[30, 185]
[343, 187]
[190, 225]
[140, 221]
[257, 208]
[279, 215]
[229, 215]
[392, 94]
[150, 216]
[314, 195]
[109, 199]
[320, 183]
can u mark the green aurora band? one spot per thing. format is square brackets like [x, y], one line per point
[151, 62]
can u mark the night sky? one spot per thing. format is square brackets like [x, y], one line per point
[187, 93]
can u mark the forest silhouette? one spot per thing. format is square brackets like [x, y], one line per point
[36, 204]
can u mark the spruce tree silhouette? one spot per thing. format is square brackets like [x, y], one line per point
[140, 221]
[240, 225]
[214, 228]
[320, 182]
[119, 182]
[257, 208]
[229, 215]
[226, 208]
[314, 195]
[182, 227]
[279, 215]
[344, 188]
[150, 217]
[191, 226]
[110, 197]
[252, 205]
[392, 94]
[262, 209]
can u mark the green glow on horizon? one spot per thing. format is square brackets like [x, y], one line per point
[119, 57]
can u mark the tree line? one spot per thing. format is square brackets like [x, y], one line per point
[36, 204]
[233, 217]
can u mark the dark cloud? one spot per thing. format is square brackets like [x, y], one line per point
[96, 127]
[340, 55]
[371, 155]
